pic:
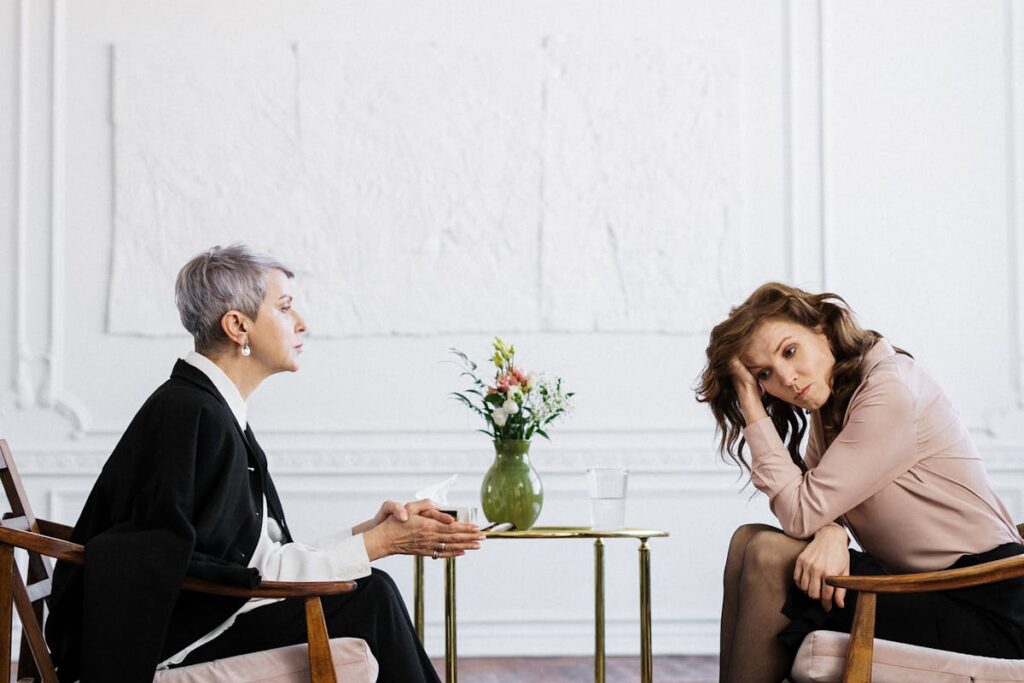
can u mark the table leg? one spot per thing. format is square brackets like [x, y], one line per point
[646, 657]
[417, 596]
[451, 656]
[598, 611]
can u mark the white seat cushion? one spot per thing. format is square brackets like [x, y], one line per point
[353, 661]
[823, 653]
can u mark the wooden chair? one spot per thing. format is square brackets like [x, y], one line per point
[903, 662]
[43, 540]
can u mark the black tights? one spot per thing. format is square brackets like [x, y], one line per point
[758, 576]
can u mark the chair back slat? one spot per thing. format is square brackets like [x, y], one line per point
[39, 567]
[6, 609]
[32, 635]
[34, 661]
[11, 481]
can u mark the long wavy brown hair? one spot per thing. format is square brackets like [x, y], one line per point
[826, 312]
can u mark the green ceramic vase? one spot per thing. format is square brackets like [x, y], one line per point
[512, 491]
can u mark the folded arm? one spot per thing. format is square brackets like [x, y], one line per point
[877, 445]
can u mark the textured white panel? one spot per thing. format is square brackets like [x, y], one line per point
[641, 178]
[406, 175]
[423, 174]
[410, 178]
[205, 152]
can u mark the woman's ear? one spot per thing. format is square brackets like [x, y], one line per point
[236, 327]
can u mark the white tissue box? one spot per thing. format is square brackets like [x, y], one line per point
[461, 513]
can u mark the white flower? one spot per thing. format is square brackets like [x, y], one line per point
[510, 407]
[500, 417]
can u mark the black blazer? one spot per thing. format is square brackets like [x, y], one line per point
[182, 494]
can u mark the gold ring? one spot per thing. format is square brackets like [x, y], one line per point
[442, 546]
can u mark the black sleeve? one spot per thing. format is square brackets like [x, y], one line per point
[134, 569]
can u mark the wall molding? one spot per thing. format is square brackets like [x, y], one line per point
[40, 463]
[1015, 194]
[345, 460]
[22, 357]
[803, 136]
[47, 391]
[498, 638]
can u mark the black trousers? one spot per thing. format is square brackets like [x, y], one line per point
[374, 612]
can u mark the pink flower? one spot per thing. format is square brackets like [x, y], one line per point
[503, 381]
[518, 376]
[491, 390]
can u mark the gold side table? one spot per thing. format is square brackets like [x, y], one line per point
[549, 532]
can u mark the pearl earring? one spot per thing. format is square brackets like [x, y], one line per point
[246, 350]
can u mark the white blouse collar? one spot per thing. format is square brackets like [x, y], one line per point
[223, 384]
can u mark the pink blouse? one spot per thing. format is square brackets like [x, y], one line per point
[902, 474]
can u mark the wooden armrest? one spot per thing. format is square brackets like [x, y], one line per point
[44, 545]
[54, 529]
[272, 589]
[946, 579]
[74, 553]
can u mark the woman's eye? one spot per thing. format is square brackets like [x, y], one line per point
[285, 309]
[763, 375]
[790, 352]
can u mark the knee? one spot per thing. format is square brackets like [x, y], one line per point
[741, 537]
[383, 587]
[383, 577]
[738, 547]
[764, 555]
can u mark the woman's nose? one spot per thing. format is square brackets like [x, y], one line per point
[300, 324]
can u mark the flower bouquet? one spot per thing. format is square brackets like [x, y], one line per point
[518, 405]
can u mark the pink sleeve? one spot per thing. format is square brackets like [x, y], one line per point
[878, 444]
[815, 442]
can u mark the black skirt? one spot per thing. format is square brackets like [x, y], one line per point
[982, 620]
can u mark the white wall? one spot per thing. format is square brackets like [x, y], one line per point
[596, 181]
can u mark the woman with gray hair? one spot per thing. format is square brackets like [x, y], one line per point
[187, 492]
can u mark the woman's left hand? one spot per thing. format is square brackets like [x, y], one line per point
[827, 555]
[392, 508]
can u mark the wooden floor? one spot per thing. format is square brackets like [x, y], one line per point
[581, 670]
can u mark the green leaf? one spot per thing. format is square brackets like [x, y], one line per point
[464, 358]
[470, 404]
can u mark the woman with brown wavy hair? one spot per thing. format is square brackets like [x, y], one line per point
[887, 459]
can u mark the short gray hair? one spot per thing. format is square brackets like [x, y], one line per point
[219, 280]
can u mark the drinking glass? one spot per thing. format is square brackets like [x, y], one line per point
[607, 487]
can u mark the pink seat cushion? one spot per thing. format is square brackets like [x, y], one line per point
[822, 654]
[352, 662]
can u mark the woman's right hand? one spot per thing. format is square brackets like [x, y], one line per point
[742, 379]
[748, 391]
[826, 555]
[427, 531]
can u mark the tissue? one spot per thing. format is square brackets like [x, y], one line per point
[438, 493]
